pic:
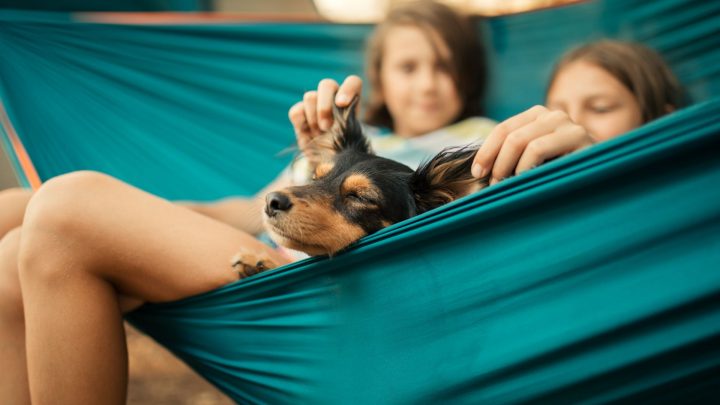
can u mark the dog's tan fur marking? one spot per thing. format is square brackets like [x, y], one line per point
[356, 182]
[323, 169]
[361, 185]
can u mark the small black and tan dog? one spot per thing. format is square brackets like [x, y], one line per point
[354, 193]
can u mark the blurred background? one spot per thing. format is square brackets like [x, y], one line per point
[332, 10]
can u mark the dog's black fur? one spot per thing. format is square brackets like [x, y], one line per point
[355, 193]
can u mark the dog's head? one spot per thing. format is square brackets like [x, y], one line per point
[355, 193]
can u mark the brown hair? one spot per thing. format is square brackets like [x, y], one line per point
[467, 60]
[639, 68]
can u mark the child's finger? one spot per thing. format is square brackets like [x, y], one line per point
[296, 114]
[350, 88]
[565, 139]
[310, 107]
[538, 151]
[489, 150]
[325, 98]
[516, 142]
[297, 118]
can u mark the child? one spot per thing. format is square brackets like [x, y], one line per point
[596, 92]
[426, 71]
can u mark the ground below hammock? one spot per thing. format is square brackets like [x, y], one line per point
[158, 378]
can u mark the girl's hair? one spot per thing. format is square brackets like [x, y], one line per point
[637, 67]
[467, 60]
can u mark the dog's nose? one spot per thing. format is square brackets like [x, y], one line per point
[275, 202]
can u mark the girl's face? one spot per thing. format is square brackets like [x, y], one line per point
[595, 99]
[416, 85]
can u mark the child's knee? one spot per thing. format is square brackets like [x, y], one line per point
[61, 203]
[59, 222]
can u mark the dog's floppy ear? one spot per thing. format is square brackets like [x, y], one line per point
[444, 178]
[346, 133]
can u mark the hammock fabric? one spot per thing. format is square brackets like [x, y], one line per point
[594, 278]
[590, 279]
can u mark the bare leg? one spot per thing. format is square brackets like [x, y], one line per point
[12, 208]
[88, 238]
[13, 382]
[14, 378]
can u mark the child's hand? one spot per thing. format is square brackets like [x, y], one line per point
[527, 140]
[313, 115]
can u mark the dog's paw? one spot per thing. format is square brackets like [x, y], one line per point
[247, 263]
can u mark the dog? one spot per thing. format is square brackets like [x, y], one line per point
[354, 193]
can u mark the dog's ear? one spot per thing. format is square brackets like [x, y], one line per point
[346, 130]
[345, 133]
[445, 178]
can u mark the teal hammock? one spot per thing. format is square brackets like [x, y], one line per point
[591, 279]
